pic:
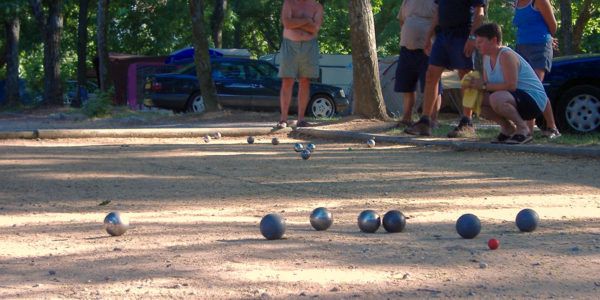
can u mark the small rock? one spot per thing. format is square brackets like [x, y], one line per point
[406, 276]
[303, 294]
[117, 249]
[37, 285]
[483, 265]
[265, 296]
[177, 286]
[52, 272]
[597, 283]
[575, 249]
[536, 264]
[335, 289]
[471, 293]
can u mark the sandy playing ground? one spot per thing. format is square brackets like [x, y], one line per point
[195, 209]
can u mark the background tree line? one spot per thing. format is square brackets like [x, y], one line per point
[48, 41]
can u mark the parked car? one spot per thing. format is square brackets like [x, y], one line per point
[573, 87]
[89, 92]
[241, 83]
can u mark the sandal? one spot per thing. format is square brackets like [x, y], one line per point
[501, 138]
[519, 139]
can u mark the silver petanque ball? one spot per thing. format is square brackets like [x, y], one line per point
[371, 143]
[298, 147]
[321, 218]
[369, 221]
[275, 141]
[206, 138]
[305, 154]
[250, 140]
[311, 147]
[217, 136]
[116, 224]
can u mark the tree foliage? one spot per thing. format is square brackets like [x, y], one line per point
[159, 27]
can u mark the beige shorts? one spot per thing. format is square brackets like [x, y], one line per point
[299, 59]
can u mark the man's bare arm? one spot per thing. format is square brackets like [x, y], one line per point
[315, 25]
[288, 21]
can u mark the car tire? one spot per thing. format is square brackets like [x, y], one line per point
[578, 109]
[321, 106]
[196, 103]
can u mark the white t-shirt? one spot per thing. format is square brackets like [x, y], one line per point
[417, 16]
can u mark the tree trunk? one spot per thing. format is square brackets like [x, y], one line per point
[217, 22]
[201, 56]
[12, 26]
[82, 39]
[102, 20]
[585, 13]
[52, 29]
[566, 27]
[368, 99]
[52, 82]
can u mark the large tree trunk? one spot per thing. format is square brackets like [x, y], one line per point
[201, 56]
[12, 26]
[82, 39]
[585, 13]
[216, 23]
[368, 99]
[566, 27]
[52, 29]
[102, 20]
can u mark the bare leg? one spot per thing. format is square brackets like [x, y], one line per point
[432, 80]
[303, 92]
[436, 108]
[504, 104]
[548, 113]
[467, 112]
[408, 105]
[285, 97]
[506, 127]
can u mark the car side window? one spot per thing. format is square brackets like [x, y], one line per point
[263, 70]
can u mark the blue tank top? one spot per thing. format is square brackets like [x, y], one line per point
[527, 81]
[531, 27]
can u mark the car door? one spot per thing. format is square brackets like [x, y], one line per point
[233, 89]
[267, 85]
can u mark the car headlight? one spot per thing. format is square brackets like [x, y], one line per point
[342, 94]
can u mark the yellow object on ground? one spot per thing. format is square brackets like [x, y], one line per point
[472, 98]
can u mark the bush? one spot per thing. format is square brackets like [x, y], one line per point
[100, 106]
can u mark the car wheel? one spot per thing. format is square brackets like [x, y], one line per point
[321, 106]
[579, 109]
[196, 103]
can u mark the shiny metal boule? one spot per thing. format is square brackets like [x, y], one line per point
[371, 143]
[298, 147]
[394, 221]
[321, 218]
[369, 221]
[250, 140]
[311, 147]
[116, 224]
[275, 141]
[206, 138]
[272, 226]
[217, 136]
[305, 154]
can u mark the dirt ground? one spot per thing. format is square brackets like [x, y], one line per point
[195, 207]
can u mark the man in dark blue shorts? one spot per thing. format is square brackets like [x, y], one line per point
[452, 49]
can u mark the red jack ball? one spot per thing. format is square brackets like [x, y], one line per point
[493, 244]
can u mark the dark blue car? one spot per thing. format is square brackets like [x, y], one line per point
[242, 84]
[573, 87]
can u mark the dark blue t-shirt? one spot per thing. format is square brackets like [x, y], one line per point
[456, 15]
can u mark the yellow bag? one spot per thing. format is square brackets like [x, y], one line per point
[472, 98]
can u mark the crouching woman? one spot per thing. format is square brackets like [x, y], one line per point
[515, 92]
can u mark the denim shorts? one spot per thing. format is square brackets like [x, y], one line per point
[299, 59]
[411, 68]
[539, 56]
[448, 51]
[526, 106]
